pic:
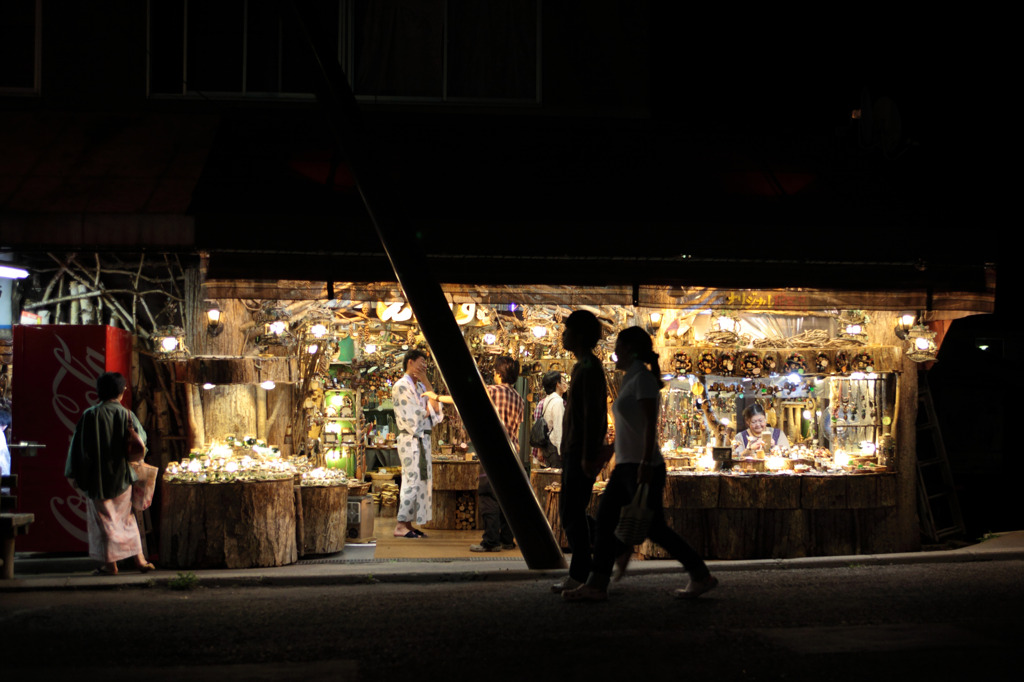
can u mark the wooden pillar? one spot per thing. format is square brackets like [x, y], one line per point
[904, 525]
[230, 409]
[400, 240]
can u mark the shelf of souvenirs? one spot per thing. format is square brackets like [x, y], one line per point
[795, 460]
[768, 362]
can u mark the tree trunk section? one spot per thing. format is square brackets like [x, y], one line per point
[324, 518]
[228, 525]
[230, 409]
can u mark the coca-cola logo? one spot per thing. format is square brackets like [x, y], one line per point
[70, 510]
[65, 407]
[75, 505]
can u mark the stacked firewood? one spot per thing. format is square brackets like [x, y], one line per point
[465, 511]
[388, 500]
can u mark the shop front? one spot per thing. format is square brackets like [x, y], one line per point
[308, 401]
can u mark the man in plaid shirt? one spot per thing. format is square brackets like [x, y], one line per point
[510, 407]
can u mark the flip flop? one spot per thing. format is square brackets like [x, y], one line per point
[419, 533]
[103, 571]
[411, 534]
[146, 567]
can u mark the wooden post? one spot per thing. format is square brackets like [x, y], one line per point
[423, 292]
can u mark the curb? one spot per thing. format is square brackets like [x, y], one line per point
[461, 571]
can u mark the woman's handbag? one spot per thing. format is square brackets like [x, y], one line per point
[635, 518]
[144, 485]
[134, 446]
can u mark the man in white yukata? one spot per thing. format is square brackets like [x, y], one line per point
[415, 414]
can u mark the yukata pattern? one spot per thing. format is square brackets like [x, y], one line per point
[415, 420]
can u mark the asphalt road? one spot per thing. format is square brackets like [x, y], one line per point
[910, 622]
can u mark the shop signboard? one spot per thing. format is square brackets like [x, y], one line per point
[55, 371]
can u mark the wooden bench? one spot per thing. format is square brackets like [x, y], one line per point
[12, 524]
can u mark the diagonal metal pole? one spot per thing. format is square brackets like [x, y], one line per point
[423, 292]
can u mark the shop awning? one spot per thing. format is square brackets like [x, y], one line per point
[943, 304]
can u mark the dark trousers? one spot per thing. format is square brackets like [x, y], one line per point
[496, 528]
[620, 491]
[577, 488]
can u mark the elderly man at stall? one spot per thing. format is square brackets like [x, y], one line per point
[415, 415]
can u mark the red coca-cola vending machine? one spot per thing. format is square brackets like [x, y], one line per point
[54, 381]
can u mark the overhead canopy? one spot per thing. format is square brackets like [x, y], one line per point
[942, 304]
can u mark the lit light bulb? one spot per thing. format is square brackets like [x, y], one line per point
[318, 331]
[168, 343]
[213, 315]
[370, 348]
[208, 386]
[540, 332]
[921, 343]
[489, 339]
[268, 384]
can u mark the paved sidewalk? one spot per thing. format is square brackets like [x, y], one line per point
[356, 566]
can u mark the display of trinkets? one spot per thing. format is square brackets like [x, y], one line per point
[706, 363]
[796, 363]
[821, 363]
[234, 462]
[863, 362]
[751, 365]
[682, 364]
[726, 363]
[770, 363]
[842, 362]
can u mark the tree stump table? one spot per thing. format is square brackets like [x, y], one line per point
[322, 519]
[228, 525]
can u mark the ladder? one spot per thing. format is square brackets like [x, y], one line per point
[937, 503]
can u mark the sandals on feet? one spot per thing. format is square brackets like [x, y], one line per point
[411, 534]
[585, 593]
[697, 588]
[566, 583]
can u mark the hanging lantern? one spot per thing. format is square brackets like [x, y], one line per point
[853, 322]
[903, 324]
[214, 323]
[169, 343]
[921, 344]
